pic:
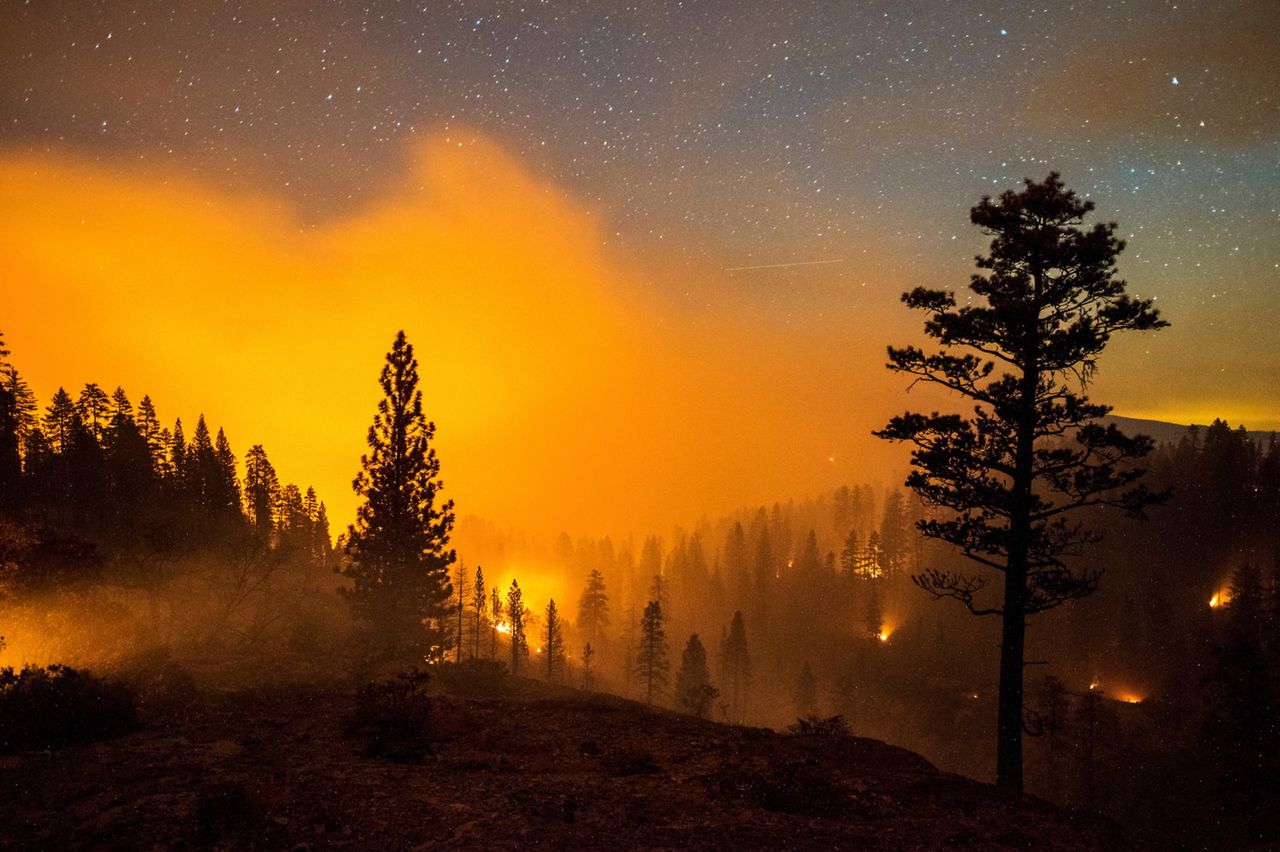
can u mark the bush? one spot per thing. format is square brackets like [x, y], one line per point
[57, 705]
[814, 725]
[392, 716]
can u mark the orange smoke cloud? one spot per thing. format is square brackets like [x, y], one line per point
[566, 395]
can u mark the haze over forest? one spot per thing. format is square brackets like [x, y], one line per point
[855, 371]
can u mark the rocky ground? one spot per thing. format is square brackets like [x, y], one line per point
[536, 768]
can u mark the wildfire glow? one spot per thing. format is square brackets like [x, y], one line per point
[1215, 601]
[884, 635]
[503, 627]
[1128, 698]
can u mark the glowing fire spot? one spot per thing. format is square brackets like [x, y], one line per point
[1129, 698]
[884, 635]
[503, 627]
[1095, 685]
[1215, 601]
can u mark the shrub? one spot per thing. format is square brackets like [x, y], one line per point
[392, 716]
[57, 705]
[814, 725]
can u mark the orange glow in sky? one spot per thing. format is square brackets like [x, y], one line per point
[576, 384]
[566, 394]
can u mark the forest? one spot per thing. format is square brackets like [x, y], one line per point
[156, 565]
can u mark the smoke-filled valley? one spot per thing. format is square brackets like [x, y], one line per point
[682, 425]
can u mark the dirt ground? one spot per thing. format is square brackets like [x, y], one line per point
[275, 769]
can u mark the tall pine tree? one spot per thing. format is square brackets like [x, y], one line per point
[1020, 350]
[398, 553]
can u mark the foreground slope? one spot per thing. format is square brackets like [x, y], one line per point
[274, 769]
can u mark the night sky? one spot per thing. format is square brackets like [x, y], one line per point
[715, 144]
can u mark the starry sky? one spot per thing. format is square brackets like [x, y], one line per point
[752, 173]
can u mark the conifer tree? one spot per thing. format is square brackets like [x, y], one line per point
[735, 667]
[261, 492]
[478, 601]
[593, 607]
[149, 428]
[178, 462]
[1021, 350]
[553, 640]
[95, 410]
[227, 483]
[652, 662]
[202, 474]
[10, 439]
[322, 543]
[495, 612]
[120, 406]
[736, 559]
[23, 401]
[694, 691]
[398, 549]
[58, 420]
[851, 554]
[515, 620]
[462, 588]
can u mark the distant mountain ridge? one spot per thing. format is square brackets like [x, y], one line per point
[1169, 433]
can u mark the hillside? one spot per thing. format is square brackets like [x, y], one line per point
[273, 769]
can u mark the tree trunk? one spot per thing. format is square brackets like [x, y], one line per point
[1014, 623]
[1009, 714]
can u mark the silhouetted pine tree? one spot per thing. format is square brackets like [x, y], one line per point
[736, 563]
[150, 430]
[120, 406]
[515, 620]
[850, 554]
[462, 588]
[10, 439]
[58, 419]
[593, 607]
[553, 640]
[495, 613]
[735, 668]
[478, 601]
[398, 549]
[694, 691]
[95, 409]
[1020, 350]
[652, 662]
[227, 483]
[261, 492]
